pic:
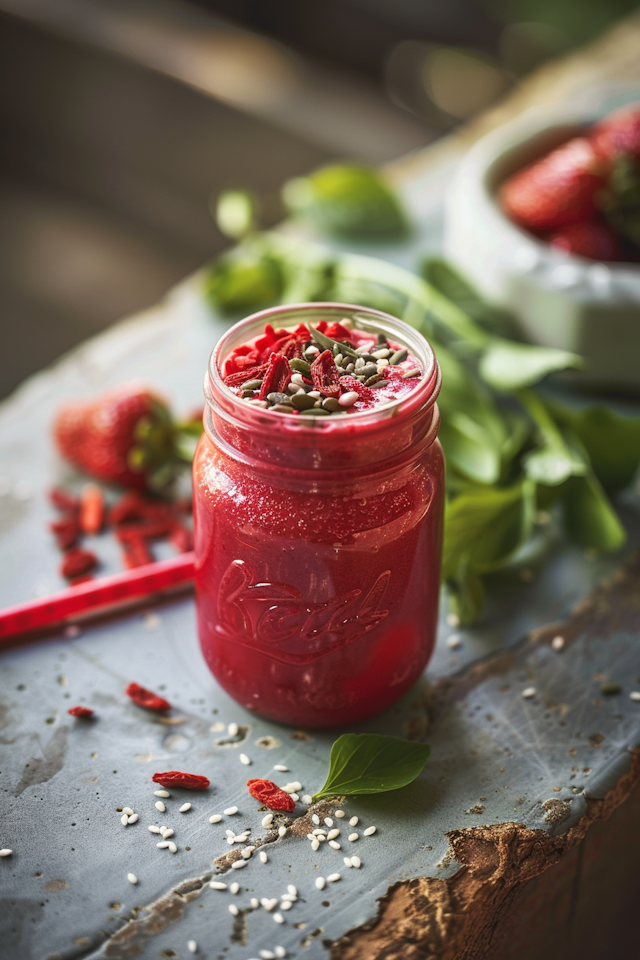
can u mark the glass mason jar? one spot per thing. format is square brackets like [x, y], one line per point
[318, 540]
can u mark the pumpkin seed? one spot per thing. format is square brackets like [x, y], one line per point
[381, 338]
[302, 401]
[301, 366]
[278, 398]
[410, 373]
[247, 393]
[398, 357]
[282, 408]
[379, 383]
[331, 404]
[252, 385]
[369, 370]
[371, 381]
[315, 412]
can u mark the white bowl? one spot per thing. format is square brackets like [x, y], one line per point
[558, 299]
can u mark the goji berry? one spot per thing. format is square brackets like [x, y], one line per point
[348, 383]
[146, 698]
[80, 711]
[63, 500]
[91, 508]
[66, 532]
[337, 332]
[136, 553]
[269, 793]
[77, 562]
[325, 375]
[277, 377]
[174, 778]
[237, 378]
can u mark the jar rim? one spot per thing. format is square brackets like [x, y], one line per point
[423, 395]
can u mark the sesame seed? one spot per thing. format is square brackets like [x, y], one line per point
[280, 767]
[319, 832]
[369, 832]
[161, 793]
[282, 831]
[288, 898]
[557, 643]
[333, 834]
[335, 845]
[185, 807]
[162, 844]
[172, 847]
[216, 818]
[339, 813]
[634, 695]
[315, 844]
[131, 877]
[124, 819]
[286, 905]
[333, 878]
[263, 856]
[133, 818]
[255, 903]
[356, 862]
[166, 832]
[232, 729]
[268, 820]
[454, 641]
[328, 821]
[235, 887]
[267, 955]
[192, 946]
[347, 861]
[316, 819]
[307, 798]
[237, 864]
[280, 952]
[159, 805]
[217, 885]
[320, 883]
[353, 822]
[245, 759]
[292, 890]
[278, 918]
[246, 852]
[127, 811]
[352, 837]
[233, 910]
[294, 797]
[269, 904]
[153, 829]
[229, 812]
[230, 834]
[5, 852]
[529, 692]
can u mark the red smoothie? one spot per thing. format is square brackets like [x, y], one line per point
[318, 524]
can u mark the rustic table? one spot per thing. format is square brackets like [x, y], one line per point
[519, 839]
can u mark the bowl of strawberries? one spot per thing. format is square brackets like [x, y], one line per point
[543, 217]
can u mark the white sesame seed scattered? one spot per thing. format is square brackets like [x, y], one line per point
[235, 887]
[232, 729]
[286, 905]
[5, 852]
[230, 833]
[269, 904]
[529, 692]
[288, 897]
[454, 641]
[127, 811]
[307, 798]
[229, 812]
[356, 862]
[246, 852]
[320, 883]
[333, 834]
[318, 832]
[159, 805]
[245, 759]
[133, 818]
[162, 844]
[352, 837]
[280, 767]
[216, 818]
[333, 878]
[233, 909]
[241, 838]
[353, 822]
[231, 841]
[267, 955]
[217, 885]
[339, 814]
[292, 890]
[316, 819]
[294, 797]
[263, 856]
[255, 903]
[328, 821]
[321, 838]
[296, 785]
[634, 695]
[238, 864]
[131, 877]
[166, 832]
[315, 844]
[558, 642]
[163, 794]
[267, 821]
[280, 952]
[282, 831]
[185, 807]
[153, 829]
[335, 845]
[369, 832]
[192, 946]
[172, 847]
[347, 861]
[124, 819]
[278, 918]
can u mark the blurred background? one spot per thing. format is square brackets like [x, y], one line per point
[119, 119]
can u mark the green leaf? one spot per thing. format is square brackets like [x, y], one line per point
[556, 459]
[611, 439]
[456, 288]
[245, 280]
[507, 365]
[347, 200]
[235, 213]
[372, 763]
[329, 344]
[466, 593]
[589, 516]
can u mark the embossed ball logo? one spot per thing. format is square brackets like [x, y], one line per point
[294, 630]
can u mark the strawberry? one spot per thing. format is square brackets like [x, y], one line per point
[595, 240]
[618, 134]
[124, 436]
[557, 190]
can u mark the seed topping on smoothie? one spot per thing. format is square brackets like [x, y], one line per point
[326, 369]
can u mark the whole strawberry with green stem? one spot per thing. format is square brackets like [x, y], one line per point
[616, 139]
[125, 436]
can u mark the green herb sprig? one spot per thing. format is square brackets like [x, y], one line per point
[372, 763]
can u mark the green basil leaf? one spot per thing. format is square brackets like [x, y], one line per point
[507, 365]
[556, 459]
[611, 439]
[372, 763]
[470, 448]
[347, 200]
[457, 289]
[589, 516]
[329, 344]
[466, 593]
[245, 280]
